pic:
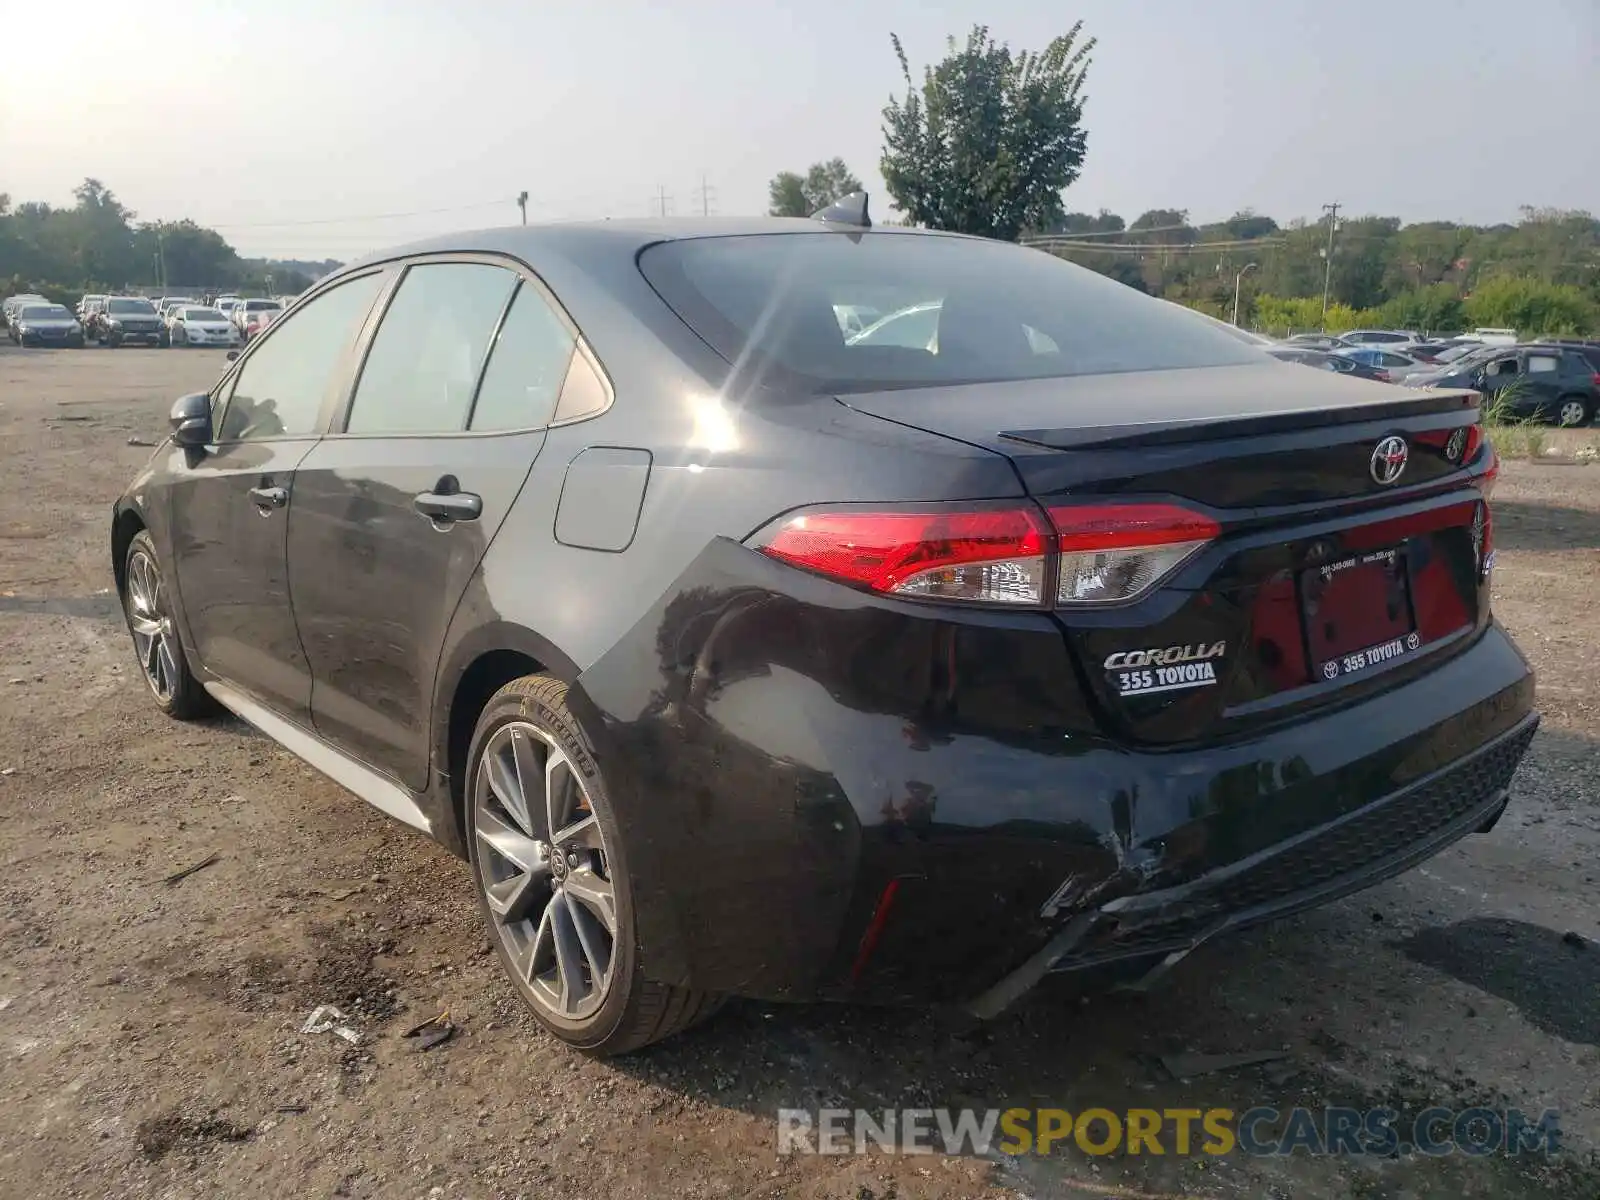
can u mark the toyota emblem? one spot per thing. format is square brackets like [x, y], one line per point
[1389, 460]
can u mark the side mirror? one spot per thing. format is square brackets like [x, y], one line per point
[233, 355]
[191, 420]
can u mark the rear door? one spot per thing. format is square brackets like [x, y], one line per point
[230, 506]
[395, 509]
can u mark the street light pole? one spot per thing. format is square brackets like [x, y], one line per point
[1248, 267]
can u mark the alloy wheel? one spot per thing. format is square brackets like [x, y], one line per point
[1572, 413]
[542, 864]
[153, 636]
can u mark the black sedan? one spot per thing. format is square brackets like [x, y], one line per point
[742, 655]
[46, 325]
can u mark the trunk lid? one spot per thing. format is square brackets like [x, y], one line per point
[1327, 579]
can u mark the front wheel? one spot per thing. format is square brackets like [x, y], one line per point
[147, 605]
[552, 879]
[1572, 411]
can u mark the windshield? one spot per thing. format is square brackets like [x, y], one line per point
[959, 310]
[203, 315]
[129, 306]
[45, 312]
[261, 306]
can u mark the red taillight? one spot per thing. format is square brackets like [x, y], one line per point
[989, 554]
[1111, 553]
[1595, 379]
[1001, 553]
[1381, 375]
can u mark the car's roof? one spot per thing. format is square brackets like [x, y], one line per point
[578, 239]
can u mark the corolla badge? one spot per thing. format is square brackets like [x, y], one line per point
[1389, 459]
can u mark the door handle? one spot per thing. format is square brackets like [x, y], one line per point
[268, 498]
[448, 507]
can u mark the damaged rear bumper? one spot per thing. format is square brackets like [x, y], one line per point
[827, 794]
[1366, 847]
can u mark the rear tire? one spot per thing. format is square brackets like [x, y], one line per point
[546, 899]
[147, 608]
[1572, 411]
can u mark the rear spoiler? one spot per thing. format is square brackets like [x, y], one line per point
[1166, 433]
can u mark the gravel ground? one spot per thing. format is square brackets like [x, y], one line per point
[150, 1032]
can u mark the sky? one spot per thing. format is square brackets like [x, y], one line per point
[328, 128]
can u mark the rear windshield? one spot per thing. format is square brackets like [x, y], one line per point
[202, 314]
[129, 306]
[843, 313]
[261, 306]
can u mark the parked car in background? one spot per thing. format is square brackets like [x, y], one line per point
[252, 316]
[192, 325]
[1378, 337]
[741, 656]
[9, 307]
[1496, 337]
[83, 306]
[1309, 356]
[46, 325]
[1550, 383]
[169, 305]
[128, 319]
[1390, 365]
[225, 305]
[1316, 341]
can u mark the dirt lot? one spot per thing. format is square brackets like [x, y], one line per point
[150, 1033]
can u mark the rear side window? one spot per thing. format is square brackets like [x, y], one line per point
[526, 368]
[282, 384]
[952, 310]
[423, 367]
[1543, 364]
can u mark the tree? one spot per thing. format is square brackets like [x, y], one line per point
[794, 195]
[991, 139]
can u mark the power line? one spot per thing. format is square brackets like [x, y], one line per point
[1055, 243]
[420, 212]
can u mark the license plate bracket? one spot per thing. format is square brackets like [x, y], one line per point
[1357, 613]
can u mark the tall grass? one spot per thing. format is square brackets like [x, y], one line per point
[1511, 435]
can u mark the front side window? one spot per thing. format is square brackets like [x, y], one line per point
[527, 367]
[950, 310]
[422, 369]
[282, 384]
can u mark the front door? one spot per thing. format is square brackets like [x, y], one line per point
[394, 513]
[231, 504]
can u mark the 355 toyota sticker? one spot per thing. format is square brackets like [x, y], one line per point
[1165, 668]
[1372, 656]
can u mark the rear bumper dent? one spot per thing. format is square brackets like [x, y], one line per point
[1338, 859]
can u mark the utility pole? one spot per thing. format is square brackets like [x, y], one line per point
[662, 200]
[161, 262]
[1327, 267]
[705, 195]
[1237, 279]
[522, 203]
